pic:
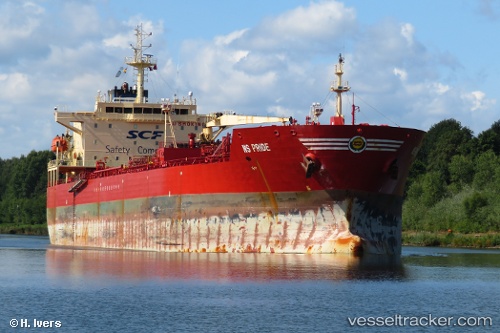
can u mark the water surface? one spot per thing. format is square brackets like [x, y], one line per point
[94, 290]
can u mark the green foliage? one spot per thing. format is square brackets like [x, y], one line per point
[443, 141]
[459, 188]
[473, 204]
[433, 188]
[443, 215]
[486, 164]
[490, 139]
[23, 183]
[461, 171]
[426, 238]
[24, 229]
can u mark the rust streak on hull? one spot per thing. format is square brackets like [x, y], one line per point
[298, 231]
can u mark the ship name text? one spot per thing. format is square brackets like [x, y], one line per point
[117, 150]
[152, 135]
[106, 188]
[124, 150]
[256, 147]
[133, 134]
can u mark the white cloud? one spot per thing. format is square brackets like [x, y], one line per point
[81, 18]
[120, 41]
[303, 28]
[18, 21]
[401, 73]
[441, 88]
[61, 55]
[476, 101]
[16, 87]
[279, 111]
[228, 39]
[407, 30]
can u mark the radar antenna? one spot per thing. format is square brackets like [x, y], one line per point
[339, 87]
[141, 61]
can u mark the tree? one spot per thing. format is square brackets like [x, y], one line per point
[490, 139]
[461, 171]
[455, 181]
[473, 203]
[449, 139]
[433, 188]
[486, 164]
[23, 183]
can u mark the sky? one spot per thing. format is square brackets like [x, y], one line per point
[409, 63]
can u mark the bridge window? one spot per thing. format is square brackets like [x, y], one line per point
[157, 111]
[127, 110]
[109, 109]
[137, 110]
[118, 110]
[148, 111]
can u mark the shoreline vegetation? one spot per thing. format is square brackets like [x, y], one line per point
[25, 229]
[451, 239]
[410, 238]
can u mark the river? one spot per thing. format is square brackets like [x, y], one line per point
[48, 289]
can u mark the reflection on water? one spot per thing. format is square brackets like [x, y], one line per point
[22, 254]
[96, 290]
[64, 262]
[451, 257]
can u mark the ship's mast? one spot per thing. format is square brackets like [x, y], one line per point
[339, 87]
[140, 61]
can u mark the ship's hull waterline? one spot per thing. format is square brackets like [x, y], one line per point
[339, 222]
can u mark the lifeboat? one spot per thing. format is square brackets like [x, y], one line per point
[59, 144]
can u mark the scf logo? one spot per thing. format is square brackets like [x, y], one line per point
[151, 135]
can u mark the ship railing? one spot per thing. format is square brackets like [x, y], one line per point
[105, 173]
[216, 115]
[123, 99]
[153, 165]
[56, 162]
[196, 160]
[130, 117]
[146, 59]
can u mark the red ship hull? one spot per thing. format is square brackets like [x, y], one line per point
[262, 197]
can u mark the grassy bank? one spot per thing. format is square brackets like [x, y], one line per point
[28, 229]
[451, 239]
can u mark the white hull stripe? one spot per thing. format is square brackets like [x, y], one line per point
[342, 144]
[324, 139]
[385, 140]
